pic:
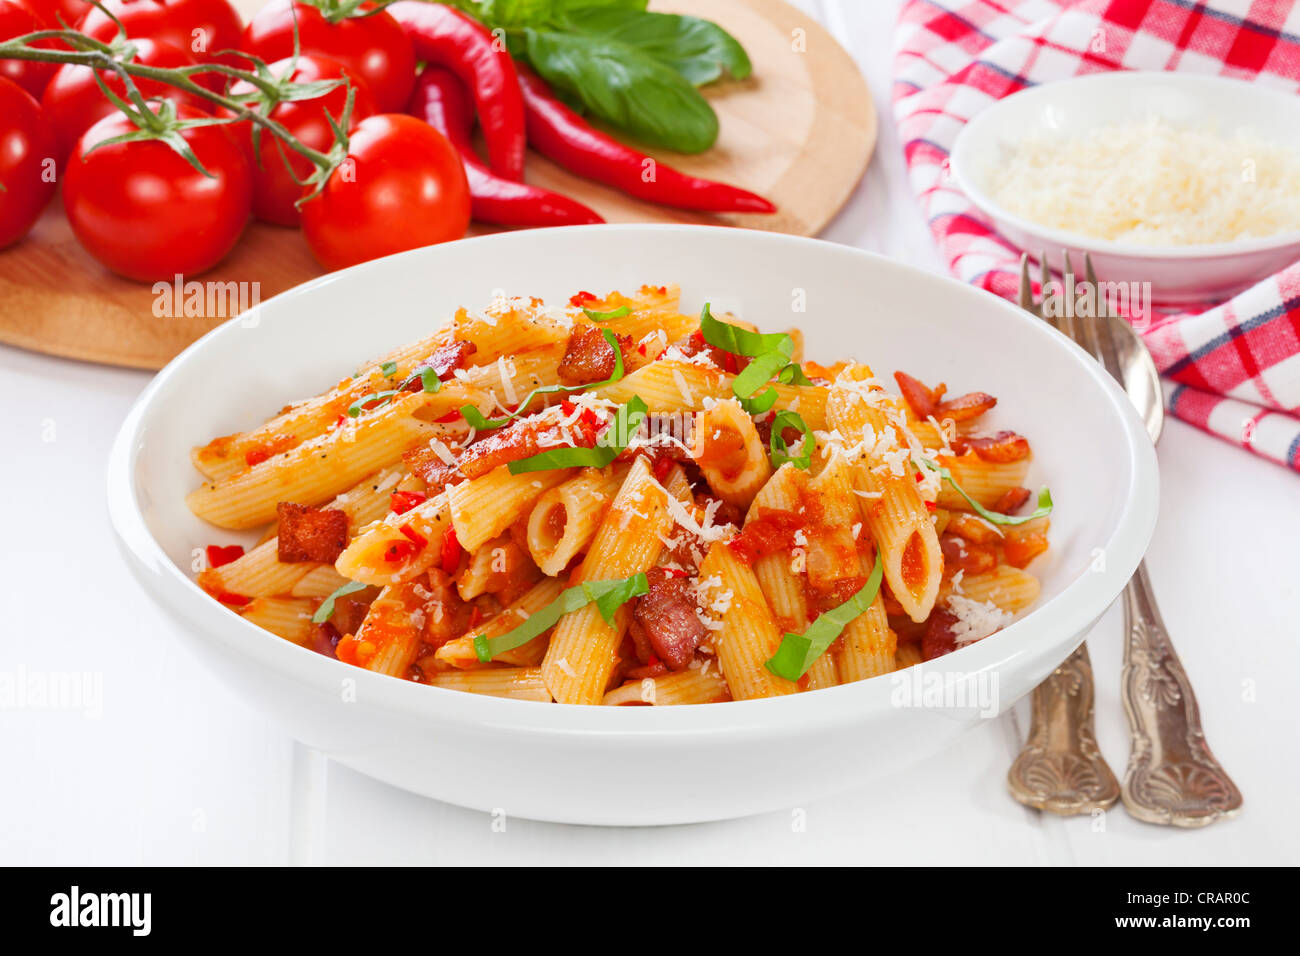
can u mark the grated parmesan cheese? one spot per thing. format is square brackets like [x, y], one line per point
[975, 619]
[1153, 183]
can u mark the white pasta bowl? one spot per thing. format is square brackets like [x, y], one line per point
[1068, 108]
[644, 765]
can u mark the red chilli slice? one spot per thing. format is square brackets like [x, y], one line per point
[403, 501]
[219, 555]
[451, 551]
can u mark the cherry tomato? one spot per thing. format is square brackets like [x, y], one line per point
[275, 189]
[58, 14]
[146, 213]
[17, 20]
[402, 186]
[73, 102]
[204, 27]
[372, 46]
[26, 145]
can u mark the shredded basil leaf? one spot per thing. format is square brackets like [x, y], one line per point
[738, 341]
[326, 609]
[389, 369]
[792, 374]
[798, 652]
[476, 419]
[608, 596]
[626, 422]
[779, 451]
[760, 403]
[618, 313]
[1042, 511]
[383, 398]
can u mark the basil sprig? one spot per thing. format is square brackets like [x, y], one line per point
[769, 355]
[608, 596]
[326, 609]
[779, 451]
[1042, 511]
[429, 382]
[627, 420]
[798, 652]
[476, 419]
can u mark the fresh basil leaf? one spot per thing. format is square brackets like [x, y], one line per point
[760, 403]
[792, 374]
[698, 50]
[1042, 511]
[382, 398]
[389, 369]
[608, 595]
[626, 87]
[738, 341]
[627, 420]
[779, 451]
[326, 609]
[618, 313]
[758, 371]
[798, 652]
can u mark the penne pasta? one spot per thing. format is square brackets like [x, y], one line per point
[730, 453]
[289, 618]
[565, 518]
[484, 507]
[698, 685]
[516, 683]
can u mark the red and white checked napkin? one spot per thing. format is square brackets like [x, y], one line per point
[1234, 369]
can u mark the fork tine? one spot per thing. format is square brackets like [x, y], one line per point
[1026, 291]
[1106, 335]
[1044, 284]
[1085, 327]
[1091, 276]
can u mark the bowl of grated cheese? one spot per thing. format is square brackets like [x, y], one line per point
[1190, 183]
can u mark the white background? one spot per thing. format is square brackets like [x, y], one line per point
[179, 770]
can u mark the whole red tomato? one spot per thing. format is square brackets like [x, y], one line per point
[141, 209]
[58, 14]
[26, 152]
[371, 45]
[73, 102]
[275, 187]
[204, 27]
[402, 186]
[17, 20]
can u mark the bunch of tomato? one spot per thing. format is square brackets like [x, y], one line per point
[140, 206]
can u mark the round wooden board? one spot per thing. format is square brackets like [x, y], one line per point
[800, 131]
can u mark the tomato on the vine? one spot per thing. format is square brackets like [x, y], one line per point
[73, 102]
[18, 20]
[372, 45]
[402, 186]
[58, 14]
[203, 27]
[277, 186]
[26, 151]
[144, 211]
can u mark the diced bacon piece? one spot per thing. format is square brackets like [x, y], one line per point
[924, 401]
[1011, 501]
[310, 534]
[588, 357]
[447, 616]
[444, 363]
[325, 639]
[667, 616]
[965, 407]
[1003, 446]
[436, 474]
[523, 439]
[940, 636]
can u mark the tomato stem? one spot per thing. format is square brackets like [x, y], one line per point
[102, 56]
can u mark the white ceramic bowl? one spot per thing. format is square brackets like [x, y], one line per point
[1068, 108]
[640, 765]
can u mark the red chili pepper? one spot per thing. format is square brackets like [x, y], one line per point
[450, 551]
[417, 539]
[560, 134]
[399, 551]
[403, 501]
[440, 100]
[451, 416]
[218, 555]
[449, 38]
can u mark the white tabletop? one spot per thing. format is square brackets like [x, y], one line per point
[177, 769]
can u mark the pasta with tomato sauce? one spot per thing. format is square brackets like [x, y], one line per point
[614, 502]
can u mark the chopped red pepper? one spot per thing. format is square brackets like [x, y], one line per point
[568, 407]
[234, 600]
[417, 539]
[451, 416]
[451, 551]
[581, 299]
[403, 501]
[399, 551]
[219, 555]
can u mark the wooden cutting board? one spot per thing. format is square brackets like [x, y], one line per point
[799, 131]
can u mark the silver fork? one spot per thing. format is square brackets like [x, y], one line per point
[1172, 777]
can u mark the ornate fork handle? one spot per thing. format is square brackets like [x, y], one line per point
[1060, 769]
[1172, 777]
